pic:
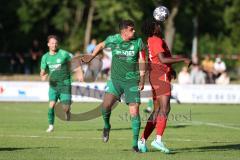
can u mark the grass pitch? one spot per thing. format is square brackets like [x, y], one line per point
[193, 132]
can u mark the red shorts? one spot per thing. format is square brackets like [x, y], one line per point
[160, 82]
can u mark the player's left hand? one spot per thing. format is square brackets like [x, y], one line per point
[86, 58]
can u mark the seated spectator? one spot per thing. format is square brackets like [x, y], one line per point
[208, 68]
[197, 75]
[223, 78]
[219, 66]
[184, 76]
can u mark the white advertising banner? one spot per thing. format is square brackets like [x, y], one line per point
[93, 92]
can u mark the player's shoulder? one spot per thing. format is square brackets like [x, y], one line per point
[45, 55]
[155, 39]
[64, 52]
[113, 37]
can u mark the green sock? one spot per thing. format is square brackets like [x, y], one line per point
[136, 123]
[51, 115]
[150, 103]
[106, 118]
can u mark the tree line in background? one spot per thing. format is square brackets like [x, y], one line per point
[77, 21]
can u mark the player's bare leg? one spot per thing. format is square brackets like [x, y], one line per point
[108, 102]
[161, 121]
[67, 109]
[151, 123]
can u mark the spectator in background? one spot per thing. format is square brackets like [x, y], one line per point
[91, 46]
[208, 68]
[106, 65]
[13, 63]
[20, 63]
[219, 67]
[184, 76]
[223, 78]
[35, 54]
[108, 52]
[197, 75]
[84, 66]
[94, 68]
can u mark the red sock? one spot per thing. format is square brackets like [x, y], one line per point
[161, 124]
[151, 123]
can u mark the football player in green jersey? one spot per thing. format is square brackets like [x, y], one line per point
[127, 76]
[56, 64]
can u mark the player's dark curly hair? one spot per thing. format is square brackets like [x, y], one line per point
[148, 27]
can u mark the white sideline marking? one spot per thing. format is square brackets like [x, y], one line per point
[65, 137]
[210, 124]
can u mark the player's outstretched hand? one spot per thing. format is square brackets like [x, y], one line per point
[86, 58]
[187, 61]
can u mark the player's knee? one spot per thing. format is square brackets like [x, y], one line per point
[106, 105]
[52, 104]
[134, 109]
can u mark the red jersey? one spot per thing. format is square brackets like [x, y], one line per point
[158, 46]
[159, 73]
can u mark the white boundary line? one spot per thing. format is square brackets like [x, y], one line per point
[67, 137]
[209, 124]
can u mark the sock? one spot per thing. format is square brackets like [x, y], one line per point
[151, 123]
[161, 124]
[136, 123]
[106, 118]
[150, 104]
[159, 138]
[51, 116]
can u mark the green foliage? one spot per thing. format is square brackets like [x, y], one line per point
[218, 21]
[232, 21]
[109, 14]
[178, 44]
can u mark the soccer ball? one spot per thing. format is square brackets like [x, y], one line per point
[160, 13]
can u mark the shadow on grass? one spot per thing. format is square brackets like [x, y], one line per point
[210, 148]
[22, 148]
[120, 129]
[177, 126]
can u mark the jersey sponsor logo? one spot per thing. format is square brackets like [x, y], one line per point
[54, 67]
[128, 53]
[58, 60]
[121, 45]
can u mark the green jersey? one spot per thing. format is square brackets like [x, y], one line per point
[125, 56]
[57, 66]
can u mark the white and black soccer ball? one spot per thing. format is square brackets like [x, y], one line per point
[161, 13]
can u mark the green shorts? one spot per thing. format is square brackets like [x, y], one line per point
[130, 90]
[63, 93]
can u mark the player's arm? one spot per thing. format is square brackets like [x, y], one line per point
[142, 68]
[43, 72]
[43, 75]
[96, 51]
[172, 60]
